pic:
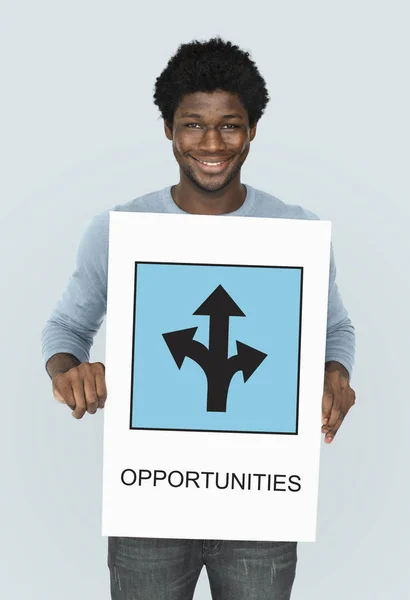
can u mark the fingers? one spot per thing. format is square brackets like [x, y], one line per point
[90, 395]
[338, 398]
[100, 384]
[338, 417]
[78, 390]
[327, 401]
[333, 426]
[82, 388]
[336, 409]
[95, 391]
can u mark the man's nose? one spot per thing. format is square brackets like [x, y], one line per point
[212, 140]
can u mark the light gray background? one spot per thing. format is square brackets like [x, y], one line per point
[80, 133]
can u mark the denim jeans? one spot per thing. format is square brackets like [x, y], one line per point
[168, 569]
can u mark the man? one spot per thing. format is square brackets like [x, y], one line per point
[211, 97]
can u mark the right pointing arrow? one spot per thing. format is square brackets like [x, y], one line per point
[246, 360]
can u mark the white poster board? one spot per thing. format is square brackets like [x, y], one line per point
[216, 333]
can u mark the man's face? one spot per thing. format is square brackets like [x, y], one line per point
[210, 127]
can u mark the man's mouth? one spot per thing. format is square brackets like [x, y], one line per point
[212, 166]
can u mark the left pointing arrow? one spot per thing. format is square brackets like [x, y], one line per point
[181, 345]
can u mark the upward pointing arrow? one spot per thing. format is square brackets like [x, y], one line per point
[219, 302]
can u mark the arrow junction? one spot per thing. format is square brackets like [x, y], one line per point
[214, 361]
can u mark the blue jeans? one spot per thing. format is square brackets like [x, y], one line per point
[168, 569]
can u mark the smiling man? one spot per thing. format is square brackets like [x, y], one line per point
[211, 138]
[211, 97]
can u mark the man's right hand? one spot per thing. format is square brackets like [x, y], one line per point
[82, 388]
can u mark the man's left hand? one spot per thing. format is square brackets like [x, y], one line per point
[338, 399]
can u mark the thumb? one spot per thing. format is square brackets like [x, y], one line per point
[58, 397]
[57, 394]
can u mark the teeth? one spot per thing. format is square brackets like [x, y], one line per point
[211, 164]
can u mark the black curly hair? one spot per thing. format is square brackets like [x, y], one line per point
[208, 66]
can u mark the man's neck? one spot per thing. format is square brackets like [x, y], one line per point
[189, 198]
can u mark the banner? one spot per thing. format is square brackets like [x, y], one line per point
[215, 349]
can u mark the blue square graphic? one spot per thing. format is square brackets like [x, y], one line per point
[216, 348]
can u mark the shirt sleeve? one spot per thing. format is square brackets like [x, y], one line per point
[80, 311]
[340, 340]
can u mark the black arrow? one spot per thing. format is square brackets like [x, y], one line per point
[219, 306]
[181, 345]
[214, 361]
[247, 360]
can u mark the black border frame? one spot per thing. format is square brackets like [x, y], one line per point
[147, 262]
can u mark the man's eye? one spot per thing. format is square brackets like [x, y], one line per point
[228, 125]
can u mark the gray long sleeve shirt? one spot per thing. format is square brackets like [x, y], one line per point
[80, 311]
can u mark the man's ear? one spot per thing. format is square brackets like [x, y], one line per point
[252, 131]
[168, 130]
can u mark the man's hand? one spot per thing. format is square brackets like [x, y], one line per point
[338, 398]
[82, 388]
